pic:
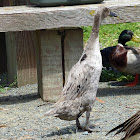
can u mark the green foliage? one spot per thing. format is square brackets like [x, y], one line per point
[5, 87]
[2, 88]
[111, 75]
[14, 84]
[109, 34]
[108, 37]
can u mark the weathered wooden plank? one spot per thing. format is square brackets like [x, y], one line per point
[21, 18]
[49, 65]
[73, 48]
[22, 44]
[13, 2]
[21, 57]
[11, 56]
[26, 42]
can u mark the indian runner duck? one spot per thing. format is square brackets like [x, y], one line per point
[124, 58]
[79, 92]
[131, 127]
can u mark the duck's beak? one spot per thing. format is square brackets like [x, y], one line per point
[112, 14]
[135, 39]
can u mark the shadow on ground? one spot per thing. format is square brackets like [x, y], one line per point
[107, 89]
[117, 89]
[66, 130]
[16, 99]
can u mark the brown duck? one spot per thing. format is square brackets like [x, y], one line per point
[79, 93]
[131, 127]
[125, 58]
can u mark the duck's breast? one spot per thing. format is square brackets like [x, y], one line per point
[133, 63]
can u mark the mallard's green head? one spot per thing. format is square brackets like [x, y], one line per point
[126, 36]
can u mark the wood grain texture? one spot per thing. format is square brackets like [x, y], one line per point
[11, 56]
[14, 2]
[50, 80]
[21, 18]
[73, 48]
[26, 57]
[22, 45]
[21, 57]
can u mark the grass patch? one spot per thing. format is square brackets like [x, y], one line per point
[108, 36]
[111, 75]
[6, 86]
[2, 88]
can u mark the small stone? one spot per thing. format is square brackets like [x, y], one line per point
[85, 133]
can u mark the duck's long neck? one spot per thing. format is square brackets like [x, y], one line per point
[93, 42]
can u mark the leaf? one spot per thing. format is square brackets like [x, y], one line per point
[3, 109]
[2, 125]
[92, 12]
[25, 138]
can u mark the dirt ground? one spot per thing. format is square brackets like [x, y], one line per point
[24, 119]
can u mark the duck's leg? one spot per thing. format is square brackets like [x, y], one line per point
[100, 101]
[135, 82]
[86, 128]
[78, 125]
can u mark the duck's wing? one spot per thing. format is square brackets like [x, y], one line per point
[135, 50]
[105, 56]
[77, 82]
[130, 126]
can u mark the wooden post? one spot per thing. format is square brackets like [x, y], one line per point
[21, 57]
[21, 63]
[49, 59]
[11, 56]
[54, 61]
[73, 48]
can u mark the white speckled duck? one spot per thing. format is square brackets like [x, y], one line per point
[79, 93]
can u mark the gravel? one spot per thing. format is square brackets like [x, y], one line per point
[24, 118]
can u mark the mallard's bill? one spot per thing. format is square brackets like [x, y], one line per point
[135, 39]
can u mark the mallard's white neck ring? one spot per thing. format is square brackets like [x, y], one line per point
[120, 44]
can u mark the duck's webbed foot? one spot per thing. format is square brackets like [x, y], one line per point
[86, 128]
[79, 127]
[135, 82]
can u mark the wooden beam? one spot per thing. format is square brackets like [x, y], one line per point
[51, 65]
[21, 18]
[21, 55]
[26, 57]
[73, 48]
[11, 57]
[49, 59]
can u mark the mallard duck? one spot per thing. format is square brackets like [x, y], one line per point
[131, 127]
[79, 92]
[124, 58]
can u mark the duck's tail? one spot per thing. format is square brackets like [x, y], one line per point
[130, 127]
[51, 112]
